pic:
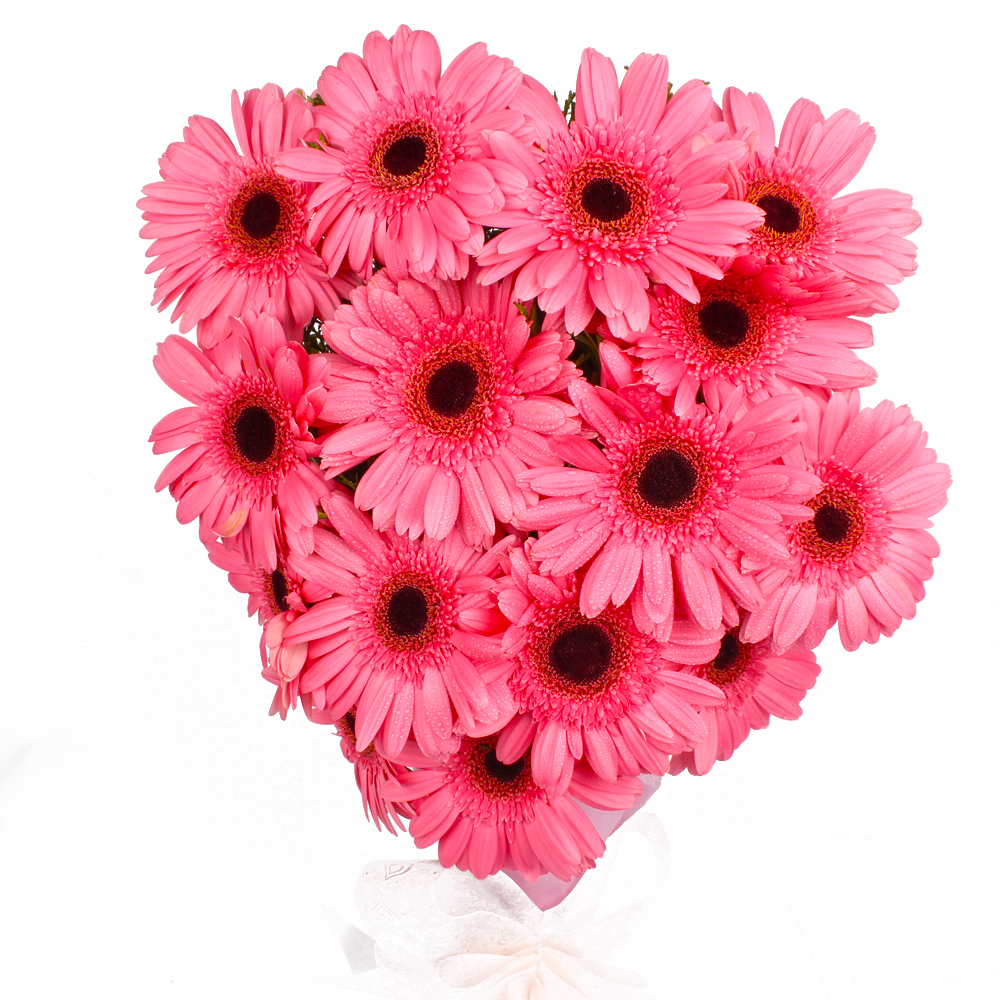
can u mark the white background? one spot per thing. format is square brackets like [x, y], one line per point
[160, 836]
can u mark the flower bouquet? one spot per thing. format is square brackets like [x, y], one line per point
[532, 430]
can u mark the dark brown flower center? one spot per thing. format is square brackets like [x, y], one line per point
[348, 731]
[724, 323]
[451, 390]
[582, 653]
[729, 650]
[731, 661]
[831, 523]
[279, 588]
[605, 200]
[405, 156]
[501, 772]
[255, 434]
[779, 213]
[261, 215]
[668, 479]
[838, 527]
[407, 613]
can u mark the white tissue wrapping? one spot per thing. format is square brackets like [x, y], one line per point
[441, 934]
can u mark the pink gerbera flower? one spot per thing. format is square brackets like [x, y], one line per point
[670, 498]
[759, 331]
[378, 776]
[863, 556]
[273, 595]
[590, 688]
[411, 636]
[756, 683]
[795, 183]
[454, 398]
[620, 196]
[402, 172]
[270, 592]
[244, 468]
[278, 597]
[487, 815]
[229, 232]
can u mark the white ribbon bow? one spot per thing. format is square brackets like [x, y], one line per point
[440, 934]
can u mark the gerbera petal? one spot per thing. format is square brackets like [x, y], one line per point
[700, 590]
[644, 91]
[441, 506]
[597, 95]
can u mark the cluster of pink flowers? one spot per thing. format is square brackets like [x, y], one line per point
[533, 432]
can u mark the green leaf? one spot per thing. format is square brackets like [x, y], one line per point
[352, 477]
[586, 356]
[569, 107]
